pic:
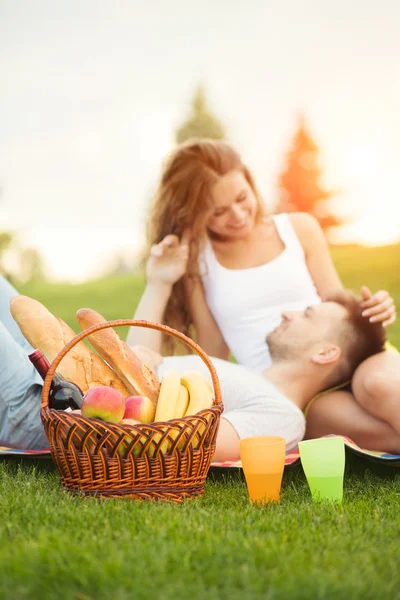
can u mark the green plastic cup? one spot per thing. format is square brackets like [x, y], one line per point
[323, 462]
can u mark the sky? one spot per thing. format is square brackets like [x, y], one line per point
[93, 91]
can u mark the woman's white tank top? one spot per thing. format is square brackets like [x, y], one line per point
[248, 303]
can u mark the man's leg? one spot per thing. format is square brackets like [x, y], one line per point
[338, 412]
[20, 397]
[376, 387]
[6, 293]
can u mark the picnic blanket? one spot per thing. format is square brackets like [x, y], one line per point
[292, 456]
[5, 451]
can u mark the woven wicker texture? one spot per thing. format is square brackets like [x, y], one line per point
[163, 460]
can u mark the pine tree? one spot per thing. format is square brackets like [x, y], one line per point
[201, 123]
[300, 183]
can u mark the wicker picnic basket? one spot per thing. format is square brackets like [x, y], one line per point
[163, 460]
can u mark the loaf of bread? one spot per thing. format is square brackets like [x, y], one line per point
[130, 369]
[49, 333]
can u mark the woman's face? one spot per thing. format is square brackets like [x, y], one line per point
[235, 207]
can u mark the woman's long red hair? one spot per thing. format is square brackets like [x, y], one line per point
[183, 200]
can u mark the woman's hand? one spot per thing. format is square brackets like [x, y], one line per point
[168, 259]
[379, 307]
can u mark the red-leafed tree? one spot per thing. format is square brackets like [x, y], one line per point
[300, 187]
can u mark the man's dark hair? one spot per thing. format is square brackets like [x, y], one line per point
[357, 337]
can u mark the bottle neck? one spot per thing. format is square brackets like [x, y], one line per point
[40, 362]
[62, 394]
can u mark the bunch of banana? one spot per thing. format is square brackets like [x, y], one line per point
[181, 396]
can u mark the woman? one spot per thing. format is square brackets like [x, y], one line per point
[227, 269]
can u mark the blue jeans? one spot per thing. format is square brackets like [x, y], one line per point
[20, 384]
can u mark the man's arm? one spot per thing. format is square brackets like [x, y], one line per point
[228, 443]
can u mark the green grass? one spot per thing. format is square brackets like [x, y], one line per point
[58, 546]
[55, 546]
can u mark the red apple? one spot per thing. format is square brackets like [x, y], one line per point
[139, 408]
[105, 403]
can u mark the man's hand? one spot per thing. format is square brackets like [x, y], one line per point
[379, 307]
[168, 259]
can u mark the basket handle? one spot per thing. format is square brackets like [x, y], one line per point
[132, 323]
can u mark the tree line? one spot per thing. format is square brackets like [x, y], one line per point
[300, 186]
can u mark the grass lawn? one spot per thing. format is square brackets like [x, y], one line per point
[55, 546]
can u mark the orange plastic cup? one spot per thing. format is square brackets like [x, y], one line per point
[263, 461]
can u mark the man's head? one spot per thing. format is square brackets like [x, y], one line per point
[332, 336]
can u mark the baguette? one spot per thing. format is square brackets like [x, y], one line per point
[49, 333]
[130, 369]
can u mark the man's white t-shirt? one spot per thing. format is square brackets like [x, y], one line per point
[252, 404]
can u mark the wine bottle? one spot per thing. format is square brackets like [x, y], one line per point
[63, 394]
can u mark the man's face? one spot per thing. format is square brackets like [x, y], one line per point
[303, 333]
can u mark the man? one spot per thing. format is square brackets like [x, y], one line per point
[311, 351]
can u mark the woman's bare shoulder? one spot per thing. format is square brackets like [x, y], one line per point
[307, 228]
[304, 222]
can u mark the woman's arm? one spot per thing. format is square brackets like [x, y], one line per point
[166, 264]
[151, 307]
[318, 258]
[209, 337]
